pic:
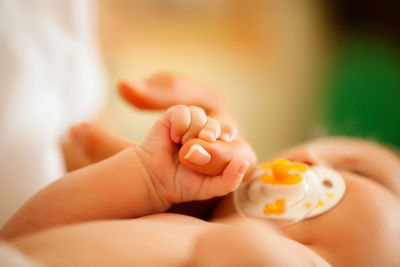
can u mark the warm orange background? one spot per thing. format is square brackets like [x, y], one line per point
[264, 56]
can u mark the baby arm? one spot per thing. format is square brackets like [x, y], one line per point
[118, 187]
[140, 180]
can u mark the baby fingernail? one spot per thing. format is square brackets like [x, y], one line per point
[226, 137]
[197, 155]
[241, 171]
[207, 135]
[243, 168]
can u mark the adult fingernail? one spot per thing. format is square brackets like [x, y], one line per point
[226, 137]
[197, 155]
[207, 135]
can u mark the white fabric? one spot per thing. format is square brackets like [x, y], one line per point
[50, 78]
[12, 257]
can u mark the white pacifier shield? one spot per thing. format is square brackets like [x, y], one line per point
[325, 188]
[333, 189]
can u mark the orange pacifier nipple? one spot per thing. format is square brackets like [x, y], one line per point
[289, 191]
[281, 172]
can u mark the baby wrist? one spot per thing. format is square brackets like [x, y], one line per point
[156, 201]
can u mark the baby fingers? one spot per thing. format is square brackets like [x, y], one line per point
[212, 131]
[179, 120]
[198, 121]
[188, 122]
[228, 132]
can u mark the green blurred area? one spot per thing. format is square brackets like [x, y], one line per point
[363, 91]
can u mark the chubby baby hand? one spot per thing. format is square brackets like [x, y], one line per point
[190, 156]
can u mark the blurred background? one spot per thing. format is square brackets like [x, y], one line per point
[290, 69]
[264, 56]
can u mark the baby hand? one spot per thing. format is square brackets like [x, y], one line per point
[175, 156]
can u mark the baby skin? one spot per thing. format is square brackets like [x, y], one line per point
[362, 230]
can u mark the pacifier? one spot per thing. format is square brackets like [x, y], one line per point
[289, 191]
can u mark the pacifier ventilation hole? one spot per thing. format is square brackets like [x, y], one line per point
[327, 183]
